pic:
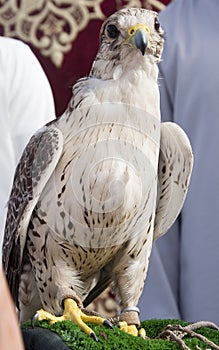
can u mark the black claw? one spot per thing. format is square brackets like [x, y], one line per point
[93, 335]
[34, 319]
[108, 324]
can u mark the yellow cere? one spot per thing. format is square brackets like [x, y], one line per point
[132, 30]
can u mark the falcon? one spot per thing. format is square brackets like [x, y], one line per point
[94, 188]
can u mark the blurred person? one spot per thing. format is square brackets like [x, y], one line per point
[183, 278]
[26, 104]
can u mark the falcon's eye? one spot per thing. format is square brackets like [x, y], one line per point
[112, 31]
[156, 24]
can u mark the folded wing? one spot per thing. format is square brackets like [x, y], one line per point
[33, 171]
[174, 172]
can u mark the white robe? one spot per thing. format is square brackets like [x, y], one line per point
[183, 280]
[26, 104]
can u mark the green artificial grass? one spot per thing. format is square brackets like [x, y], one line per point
[112, 339]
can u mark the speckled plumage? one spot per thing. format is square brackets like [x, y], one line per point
[94, 188]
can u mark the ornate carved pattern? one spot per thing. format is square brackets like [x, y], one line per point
[49, 25]
[158, 5]
[52, 25]
[148, 4]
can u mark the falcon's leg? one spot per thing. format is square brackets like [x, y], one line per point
[59, 284]
[130, 276]
[73, 313]
[128, 322]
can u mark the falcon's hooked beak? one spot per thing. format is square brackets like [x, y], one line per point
[139, 36]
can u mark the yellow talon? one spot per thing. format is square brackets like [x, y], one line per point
[73, 312]
[132, 329]
[44, 315]
[142, 333]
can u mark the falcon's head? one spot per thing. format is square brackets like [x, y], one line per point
[130, 36]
